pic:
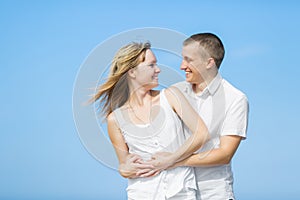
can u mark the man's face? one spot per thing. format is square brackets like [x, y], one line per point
[193, 64]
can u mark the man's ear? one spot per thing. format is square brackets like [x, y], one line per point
[131, 73]
[210, 63]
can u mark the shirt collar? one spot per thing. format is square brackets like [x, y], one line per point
[214, 84]
[211, 88]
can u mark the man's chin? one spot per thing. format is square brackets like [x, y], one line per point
[188, 80]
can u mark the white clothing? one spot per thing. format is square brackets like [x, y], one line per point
[164, 134]
[224, 109]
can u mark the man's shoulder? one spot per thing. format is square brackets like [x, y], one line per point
[233, 91]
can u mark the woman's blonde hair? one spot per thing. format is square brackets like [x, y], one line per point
[115, 91]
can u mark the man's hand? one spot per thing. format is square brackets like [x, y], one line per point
[159, 162]
[133, 164]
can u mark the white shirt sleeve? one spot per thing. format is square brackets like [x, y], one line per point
[236, 119]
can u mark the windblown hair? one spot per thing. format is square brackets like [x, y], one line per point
[211, 43]
[115, 91]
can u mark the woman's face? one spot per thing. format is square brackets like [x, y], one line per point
[147, 71]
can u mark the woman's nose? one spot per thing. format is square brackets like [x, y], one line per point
[157, 69]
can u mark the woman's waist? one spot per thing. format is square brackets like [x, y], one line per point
[183, 176]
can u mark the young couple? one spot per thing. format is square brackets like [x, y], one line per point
[176, 143]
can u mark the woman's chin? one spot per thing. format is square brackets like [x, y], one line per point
[152, 85]
[155, 83]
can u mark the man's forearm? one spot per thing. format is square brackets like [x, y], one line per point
[215, 157]
[209, 158]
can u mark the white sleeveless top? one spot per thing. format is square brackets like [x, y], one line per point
[165, 133]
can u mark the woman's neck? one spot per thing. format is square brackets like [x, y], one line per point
[140, 97]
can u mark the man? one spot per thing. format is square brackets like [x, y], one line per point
[223, 108]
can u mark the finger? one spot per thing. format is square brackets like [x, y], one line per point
[149, 162]
[156, 173]
[134, 158]
[148, 174]
[144, 166]
[140, 161]
[143, 171]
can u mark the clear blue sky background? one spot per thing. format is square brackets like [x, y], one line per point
[43, 44]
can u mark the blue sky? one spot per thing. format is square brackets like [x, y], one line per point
[44, 43]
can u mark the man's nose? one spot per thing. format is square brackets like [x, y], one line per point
[183, 65]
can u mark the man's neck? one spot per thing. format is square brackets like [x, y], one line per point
[199, 87]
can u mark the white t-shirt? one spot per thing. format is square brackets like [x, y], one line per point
[224, 109]
[164, 134]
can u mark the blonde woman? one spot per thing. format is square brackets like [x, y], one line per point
[142, 121]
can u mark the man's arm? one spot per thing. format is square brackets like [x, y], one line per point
[214, 157]
[163, 160]
[197, 126]
[233, 131]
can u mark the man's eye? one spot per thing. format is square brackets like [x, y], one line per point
[187, 59]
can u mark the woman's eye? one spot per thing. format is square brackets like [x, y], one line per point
[152, 65]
